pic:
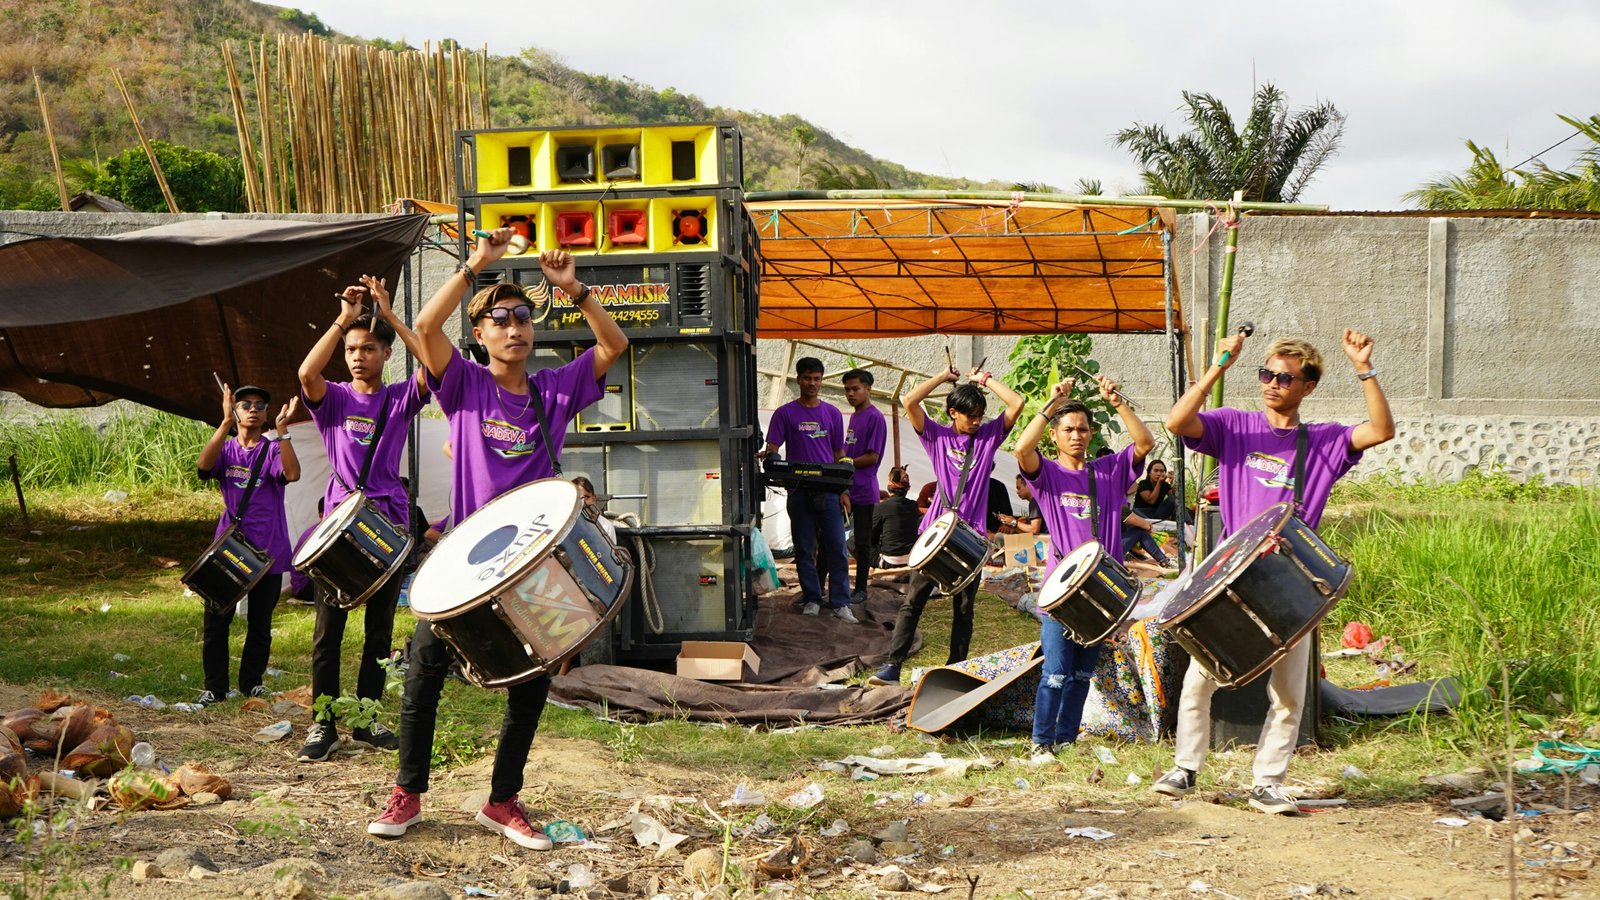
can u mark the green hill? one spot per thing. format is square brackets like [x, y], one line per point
[169, 54]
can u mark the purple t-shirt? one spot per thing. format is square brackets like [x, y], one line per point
[1063, 496]
[946, 451]
[1256, 465]
[264, 524]
[346, 418]
[807, 434]
[495, 434]
[866, 434]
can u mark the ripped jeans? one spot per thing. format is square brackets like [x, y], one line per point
[1063, 685]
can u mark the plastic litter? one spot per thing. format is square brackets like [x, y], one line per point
[563, 832]
[579, 876]
[114, 496]
[274, 671]
[836, 828]
[473, 890]
[1133, 778]
[277, 731]
[648, 832]
[187, 707]
[805, 798]
[1022, 784]
[1104, 754]
[143, 755]
[1451, 821]
[1090, 832]
[744, 796]
[148, 701]
[120, 657]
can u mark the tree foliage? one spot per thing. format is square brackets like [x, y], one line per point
[1272, 158]
[824, 175]
[201, 181]
[1486, 184]
[1038, 361]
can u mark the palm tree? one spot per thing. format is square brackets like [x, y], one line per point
[823, 175]
[1271, 159]
[1486, 184]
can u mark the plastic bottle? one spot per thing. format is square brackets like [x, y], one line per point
[143, 755]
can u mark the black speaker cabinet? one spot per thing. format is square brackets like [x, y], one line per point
[620, 162]
[519, 166]
[575, 163]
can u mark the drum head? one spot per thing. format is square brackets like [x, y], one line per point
[929, 542]
[495, 545]
[1224, 564]
[331, 525]
[1070, 574]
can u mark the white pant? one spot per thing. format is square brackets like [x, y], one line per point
[1286, 690]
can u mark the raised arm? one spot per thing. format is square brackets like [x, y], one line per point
[1379, 426]
[213, 448]
[1184, 419]
[561, 271]
[1013, 401]
[913, 400]
[1143, 440]
[312, 384]
[291, 462]
[1027, 451]
[433, 344]
[378, 290]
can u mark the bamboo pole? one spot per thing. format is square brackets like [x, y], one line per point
[138, 127]
[50, 137]
[241, 123]
[1230, 252]
[1008, 197]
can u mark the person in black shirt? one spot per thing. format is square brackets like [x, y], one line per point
[894, 523]
[1152, 496]
[999, 509]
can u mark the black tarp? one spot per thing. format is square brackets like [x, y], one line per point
[149, 315]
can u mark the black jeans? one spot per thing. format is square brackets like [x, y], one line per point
[419, 711]
[257, 639]
[905, 624]
[866, 554]
[327, 642]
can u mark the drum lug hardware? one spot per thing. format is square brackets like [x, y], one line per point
[1245, 608]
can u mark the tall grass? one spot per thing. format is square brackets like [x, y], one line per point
[1533, 568]
[126, 450]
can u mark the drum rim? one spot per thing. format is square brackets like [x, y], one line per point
[511, 577]
[1078, 583]
[1241, 561]
[306, 554]
[943, 539]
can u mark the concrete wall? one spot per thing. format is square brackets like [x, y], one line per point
[1487, 330]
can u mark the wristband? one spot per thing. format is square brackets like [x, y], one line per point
[284, 437]
[983, 378]
[583, 296]
[1368, 375]
[465, 269]
[343, 329]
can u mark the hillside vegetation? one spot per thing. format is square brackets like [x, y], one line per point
[169, 53]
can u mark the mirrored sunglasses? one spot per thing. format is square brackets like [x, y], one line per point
[502, 315]
[1284, 379]
[257, 405]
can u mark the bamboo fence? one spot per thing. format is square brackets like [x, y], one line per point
[349, 127]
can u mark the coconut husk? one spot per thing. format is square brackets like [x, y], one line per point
[14, 793]
[50, 701]
[106, 750]
[20, 722]
[300, 695]
[194, 778]
[12, 763]
[136, 789]
[68, 726]
[8, 739]
[255, 704]
[786, 861]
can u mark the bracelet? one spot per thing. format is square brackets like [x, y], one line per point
[343, 329]
[582, 297]
[284, 437]
[983, 378]
[466, 269]
[1368, 375]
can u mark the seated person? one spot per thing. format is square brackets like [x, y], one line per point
[999, 511]
[1139, 531]
[925, 496]
[1032, 522]
[1153, 498]
[894, 523]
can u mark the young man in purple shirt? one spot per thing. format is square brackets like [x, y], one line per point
[498, 445]
[1255, 454]
[230, 460]
[962, 455]
[812, 431]
[1075, 512]
[347, 415]
[864, 440]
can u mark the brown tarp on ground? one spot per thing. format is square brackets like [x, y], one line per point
[853, 268]
[149, 315]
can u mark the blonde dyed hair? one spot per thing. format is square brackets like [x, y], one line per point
[1294, 348]
[505, 290]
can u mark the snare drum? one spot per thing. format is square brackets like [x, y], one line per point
[1089, 593]
[524, 583]
[352, 552]
[1260, 591]
[227, 571]
[950, 552]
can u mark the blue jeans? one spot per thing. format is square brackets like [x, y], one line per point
[1063, 685]
[814, 515]
[1132, 537]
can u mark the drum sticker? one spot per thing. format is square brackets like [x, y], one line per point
[360, 429]
[1222, 560]
[708, 580]
[238, 561]
[1277, 470]
[594, 560]
[1115, 588]
[549, 613]
[375, 538]
[506, 547]
[1316, 545]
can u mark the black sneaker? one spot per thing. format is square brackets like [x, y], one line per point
[1270, 799]
[1175, 783]
[322, 739]
[206, 698]
[888, 675]
[260, 690]
[378, 737]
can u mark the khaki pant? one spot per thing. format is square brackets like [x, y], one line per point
[1286, 690]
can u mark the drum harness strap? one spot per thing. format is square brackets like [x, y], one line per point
[1302, 440]
[250, 486]
[372, 450]
[961, 483]
[544, 425]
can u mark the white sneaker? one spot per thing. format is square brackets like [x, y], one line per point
[1270, 799]
[810, 609]
[843, 614]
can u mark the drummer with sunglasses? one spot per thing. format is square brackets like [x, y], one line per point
[496, 434]
[348, 415]
[1063, 489]
[1255, 454]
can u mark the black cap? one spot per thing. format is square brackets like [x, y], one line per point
[243, 389]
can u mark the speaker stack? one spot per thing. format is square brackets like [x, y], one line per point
[654, 217]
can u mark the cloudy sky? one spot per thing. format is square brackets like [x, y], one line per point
[1032, 91]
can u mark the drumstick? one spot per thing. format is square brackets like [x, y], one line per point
[1246, 329]
[1090, 375]
[218, 379]
[518, 242]
[949, 362]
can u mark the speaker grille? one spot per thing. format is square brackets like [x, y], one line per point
[694, 291]
[688, 579]
[675, 386]
[682, 481]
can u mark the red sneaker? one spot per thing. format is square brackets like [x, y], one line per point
[510, 818]
[403, 810]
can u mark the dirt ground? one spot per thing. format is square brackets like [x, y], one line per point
[974, 841]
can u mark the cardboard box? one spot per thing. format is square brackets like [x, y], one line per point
[1036, 546]
[717, 660]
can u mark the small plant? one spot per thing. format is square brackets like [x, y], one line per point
[626, 744]
[1038, 361]
[51, 856]
[278, 821]
[360, 712]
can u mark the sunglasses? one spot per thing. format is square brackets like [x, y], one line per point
[1284, 379]
[257, 405]
[502, 315]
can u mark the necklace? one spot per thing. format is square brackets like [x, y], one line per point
[527, 400]
[1282, 432]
